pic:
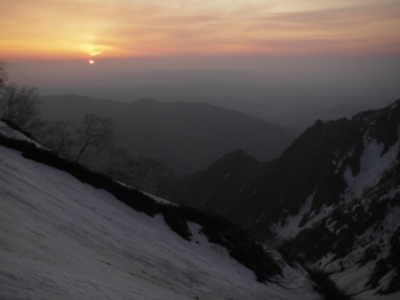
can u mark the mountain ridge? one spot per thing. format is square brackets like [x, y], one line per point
[186, 136]
[337, 181]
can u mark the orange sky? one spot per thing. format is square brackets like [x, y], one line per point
[76, 28]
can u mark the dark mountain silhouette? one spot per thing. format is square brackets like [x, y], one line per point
[186, 136]
[330, 201]
[218, 188]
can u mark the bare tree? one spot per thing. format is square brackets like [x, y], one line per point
[3, 76]
[18, 105]
[95, 132]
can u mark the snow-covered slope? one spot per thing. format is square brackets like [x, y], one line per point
[63, 239]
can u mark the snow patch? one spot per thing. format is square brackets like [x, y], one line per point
[160, 200]
[372, 167]
[291, 227]
[8, 132]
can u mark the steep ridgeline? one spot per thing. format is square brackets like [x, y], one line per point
[186, 136]
[331, 201]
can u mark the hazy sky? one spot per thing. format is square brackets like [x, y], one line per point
[190, 48]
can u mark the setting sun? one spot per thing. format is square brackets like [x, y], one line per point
[91, 62]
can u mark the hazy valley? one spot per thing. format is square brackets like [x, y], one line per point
[325, 212]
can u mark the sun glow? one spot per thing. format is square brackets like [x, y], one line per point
[146, 28]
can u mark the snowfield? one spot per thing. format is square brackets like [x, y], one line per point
[62, 239]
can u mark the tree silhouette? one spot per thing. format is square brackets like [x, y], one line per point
[3, 76]
[18, 105]
[95, 132]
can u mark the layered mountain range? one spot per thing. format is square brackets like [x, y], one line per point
[186, 136]
[331, 201]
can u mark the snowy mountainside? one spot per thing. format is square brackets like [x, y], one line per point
[356, 239]
[331, 201]
[62, 238]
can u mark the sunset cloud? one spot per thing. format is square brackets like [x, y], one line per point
[126, 28]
